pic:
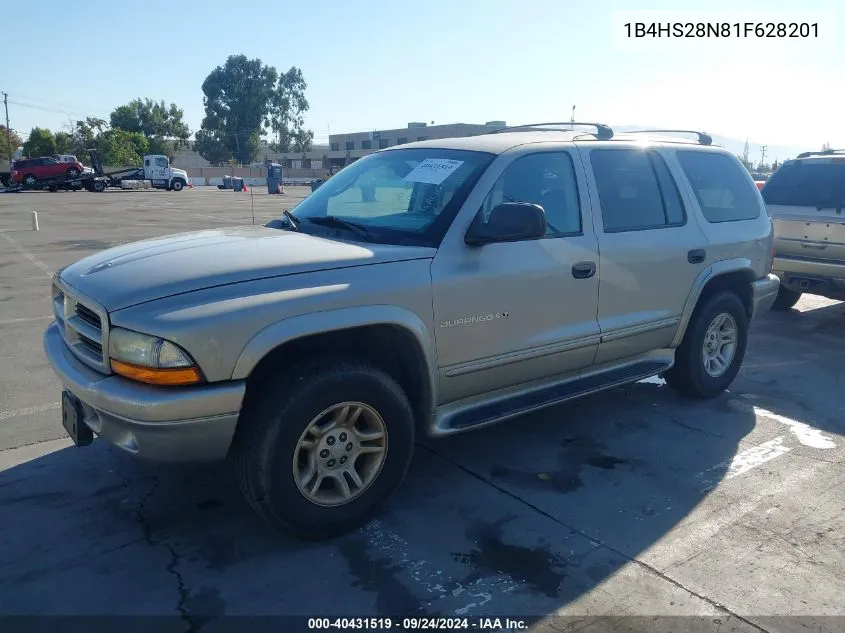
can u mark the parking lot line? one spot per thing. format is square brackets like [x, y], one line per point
[5, 415]
[25, 319]
[803, 432]
[743, 461]
[30, 257]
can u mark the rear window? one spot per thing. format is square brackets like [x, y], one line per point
[807, 183]
[721, 186]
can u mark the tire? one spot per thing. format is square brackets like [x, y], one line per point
[177, 185]
[73, 172]
[273, 422]
[98, 186]
[786, 299]
[29, 180]
[689, 376]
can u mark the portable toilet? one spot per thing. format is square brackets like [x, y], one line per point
[274, 178]
[237, 183]
[227, 182]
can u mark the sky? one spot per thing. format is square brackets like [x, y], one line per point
[378, 64]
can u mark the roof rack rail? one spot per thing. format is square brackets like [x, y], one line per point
[604, 132]
[824, 152]
[703, 137]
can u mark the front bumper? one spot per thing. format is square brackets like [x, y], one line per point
[177, 424]
[763, 294]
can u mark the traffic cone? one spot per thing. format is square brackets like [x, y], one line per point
[244, 189]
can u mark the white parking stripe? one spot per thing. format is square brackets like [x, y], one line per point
[25, 319]
[31, 258]
[5, 415]
[744, 461]
[803, 432]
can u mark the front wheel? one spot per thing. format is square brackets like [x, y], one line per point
[177, 185]
[786, 299]
[320, 450]
[29, 181]
[73, 172]
[711, 353]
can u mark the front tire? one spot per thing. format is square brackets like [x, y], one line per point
[73, 172]
[177, 185]
[786, 299]
[711, 353]
[322, 448]
[29, 181]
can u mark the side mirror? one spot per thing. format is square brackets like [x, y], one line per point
[509, 222]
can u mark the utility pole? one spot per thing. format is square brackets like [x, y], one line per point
[763, 149]
[8, 130]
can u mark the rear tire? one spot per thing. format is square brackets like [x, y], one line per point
[274, 451]
[98, 186]
[786, 299]
[697, 372]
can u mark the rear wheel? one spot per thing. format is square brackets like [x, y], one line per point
[322, 448]
[710, 356]
[98, 186]
[73, 172]
[786, 298]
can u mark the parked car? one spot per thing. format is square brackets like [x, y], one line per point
[805, 198]
[488, 277]
[30, 170]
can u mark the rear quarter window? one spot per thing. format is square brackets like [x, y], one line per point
[721, 186]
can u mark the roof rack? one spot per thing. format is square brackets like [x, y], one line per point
[703, 137]
[826, 152]
[603, 131]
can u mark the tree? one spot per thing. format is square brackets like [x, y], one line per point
[238, 98]
[287, 108]
[160, 123]
[826, 147]
[119, 147]
[41, 142]
[63, 142]
[6, 148]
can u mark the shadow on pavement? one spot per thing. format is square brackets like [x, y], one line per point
[524, 518]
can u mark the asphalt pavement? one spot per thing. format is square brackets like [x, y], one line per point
[633, 505]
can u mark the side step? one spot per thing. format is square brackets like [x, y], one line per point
[523, 403]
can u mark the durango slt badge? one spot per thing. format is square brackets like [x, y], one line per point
[474, 320]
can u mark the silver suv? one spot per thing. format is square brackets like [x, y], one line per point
[805, 198]
[431, 288]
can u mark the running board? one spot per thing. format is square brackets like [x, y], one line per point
[523, 403]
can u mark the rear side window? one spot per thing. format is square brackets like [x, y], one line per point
[721, 186]
[808, 183]
[636, 190]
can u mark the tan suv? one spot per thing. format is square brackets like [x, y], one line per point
[427, 289]
[805, 198]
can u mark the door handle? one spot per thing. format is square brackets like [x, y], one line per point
[583, 270]
[696, 256]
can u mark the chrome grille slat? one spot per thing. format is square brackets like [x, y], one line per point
[81, 323]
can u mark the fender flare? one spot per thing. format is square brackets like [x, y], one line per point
[716, 269]
[290, 329]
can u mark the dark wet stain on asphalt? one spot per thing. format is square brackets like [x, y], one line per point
[536, 567]
[577, 453]
[379, 576]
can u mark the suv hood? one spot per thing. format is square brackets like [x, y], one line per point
[156, 268]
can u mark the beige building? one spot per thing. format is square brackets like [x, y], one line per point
[345, 148]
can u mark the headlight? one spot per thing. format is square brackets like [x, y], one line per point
[151, 359]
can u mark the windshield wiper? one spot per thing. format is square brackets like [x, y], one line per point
[292, 219]
[336, 222]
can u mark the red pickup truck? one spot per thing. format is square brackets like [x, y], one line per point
[30, 170]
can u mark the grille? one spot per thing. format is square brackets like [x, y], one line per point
[81, 324]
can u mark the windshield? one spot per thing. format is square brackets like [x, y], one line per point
[810, 183]
[403, 196]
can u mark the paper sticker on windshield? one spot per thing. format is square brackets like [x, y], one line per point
[433, 171]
